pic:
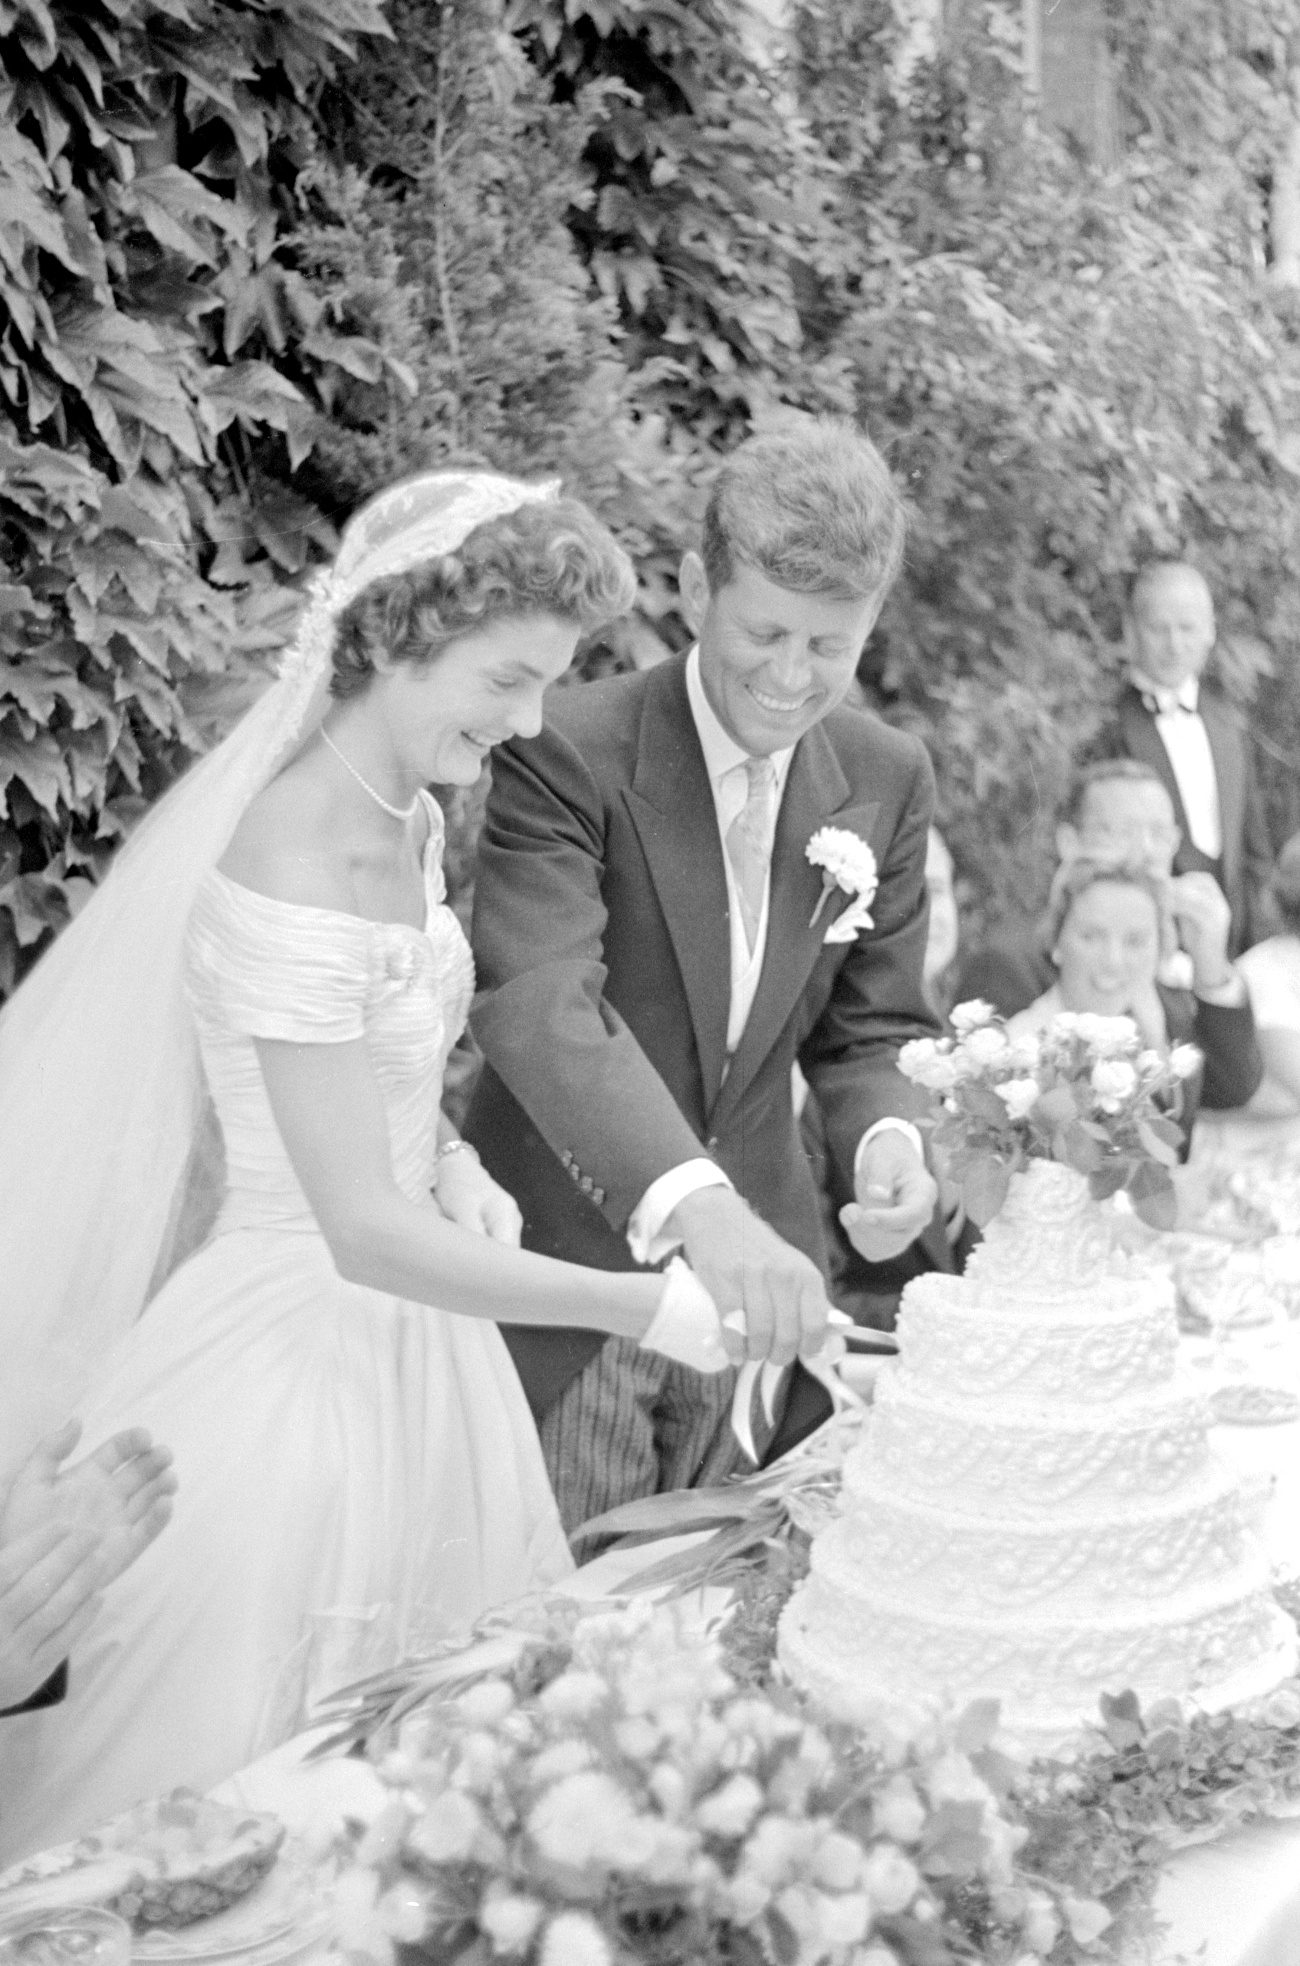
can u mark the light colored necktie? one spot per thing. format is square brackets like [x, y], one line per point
[749, 842]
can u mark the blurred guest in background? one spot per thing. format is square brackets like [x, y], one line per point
[1108, 927]
[1120, 811]
[945, 927]
[1168, 717]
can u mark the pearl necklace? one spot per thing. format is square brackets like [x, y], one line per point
[394, 812]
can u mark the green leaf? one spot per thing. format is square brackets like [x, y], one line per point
[983, 1102]
[1152, 1193]
[976, 1725]
[984, 1188]
[1159, 1148]
[1055, 1107]
[1110, 1177]
[1077, 1148]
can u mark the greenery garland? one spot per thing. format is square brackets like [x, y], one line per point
[1102, 1826]
[488, 1849]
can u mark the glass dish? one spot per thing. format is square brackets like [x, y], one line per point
[76, 1935]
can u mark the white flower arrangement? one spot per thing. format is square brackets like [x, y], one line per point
[697, 1822]
[1084, 1091]
[847, 863]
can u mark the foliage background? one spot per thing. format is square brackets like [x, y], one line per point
[256, 259]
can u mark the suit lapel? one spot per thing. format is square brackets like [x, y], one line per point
[1229, 777]
[671, 805]
[816, 794]
[1143, 741]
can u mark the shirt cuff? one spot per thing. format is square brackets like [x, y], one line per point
[1227, 996]
[645, 1230]
[891, 1123]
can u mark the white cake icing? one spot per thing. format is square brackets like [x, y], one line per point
[1035, 1513]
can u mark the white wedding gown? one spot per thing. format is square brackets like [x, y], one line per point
[358, 1475]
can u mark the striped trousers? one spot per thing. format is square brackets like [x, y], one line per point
[635, 1423]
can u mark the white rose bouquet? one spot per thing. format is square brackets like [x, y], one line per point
[1084, 1091]
[603, 1793]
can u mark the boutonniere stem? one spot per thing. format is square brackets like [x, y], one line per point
[829, 885]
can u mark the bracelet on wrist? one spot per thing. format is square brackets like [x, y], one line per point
[456, 1146]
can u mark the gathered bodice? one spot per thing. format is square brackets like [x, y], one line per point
[261, 968]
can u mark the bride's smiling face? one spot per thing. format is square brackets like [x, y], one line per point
[441, 718]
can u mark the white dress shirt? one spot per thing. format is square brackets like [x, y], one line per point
[1187, 745]
[725, 764]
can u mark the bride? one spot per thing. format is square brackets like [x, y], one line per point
[358, 1469]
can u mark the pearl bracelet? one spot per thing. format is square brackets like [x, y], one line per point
[457, 1146]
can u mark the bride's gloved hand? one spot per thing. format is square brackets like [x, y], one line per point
[469, 1197]
[686, 1326]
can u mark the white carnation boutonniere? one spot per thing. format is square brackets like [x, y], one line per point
[847, 863]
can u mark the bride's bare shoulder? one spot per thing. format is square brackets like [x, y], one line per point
[283, 845]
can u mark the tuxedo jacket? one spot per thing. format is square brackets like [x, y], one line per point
[1012, 971]
[1247, 851]
[602, 946]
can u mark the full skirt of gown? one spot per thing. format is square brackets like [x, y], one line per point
[358, 1476]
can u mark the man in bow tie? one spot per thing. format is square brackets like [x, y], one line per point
[1170, 719]
[654, 954]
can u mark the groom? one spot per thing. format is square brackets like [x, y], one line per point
[655, 951]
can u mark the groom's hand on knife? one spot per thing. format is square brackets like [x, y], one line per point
[746, 1266]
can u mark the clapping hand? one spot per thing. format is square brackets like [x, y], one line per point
[469, 1197]
[67, 1533]
[1204, 922]
[894, 1197]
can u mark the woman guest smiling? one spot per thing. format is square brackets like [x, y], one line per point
[1109, 927]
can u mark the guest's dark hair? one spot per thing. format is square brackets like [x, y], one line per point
[549, 557]
[1284, 885]
[1073, 878]
[1105, 771]
[812, 506]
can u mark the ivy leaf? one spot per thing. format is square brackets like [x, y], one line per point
[953, 1843]
[1121, 1717]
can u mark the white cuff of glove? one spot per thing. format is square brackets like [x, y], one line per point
[891, 1123]
[686, 1326]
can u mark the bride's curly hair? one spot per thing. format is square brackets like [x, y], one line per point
[549, 557]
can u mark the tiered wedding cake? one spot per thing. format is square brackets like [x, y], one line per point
[1035, 1513]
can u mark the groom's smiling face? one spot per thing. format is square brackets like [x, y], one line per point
[773, 662]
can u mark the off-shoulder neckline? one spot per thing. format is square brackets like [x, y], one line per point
[433, 839]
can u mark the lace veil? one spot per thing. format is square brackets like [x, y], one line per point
[102, 1097]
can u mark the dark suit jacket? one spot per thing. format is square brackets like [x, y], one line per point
[601, 939]
[1013, 970]
[1247, 849]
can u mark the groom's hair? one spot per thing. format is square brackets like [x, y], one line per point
[812, 506]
